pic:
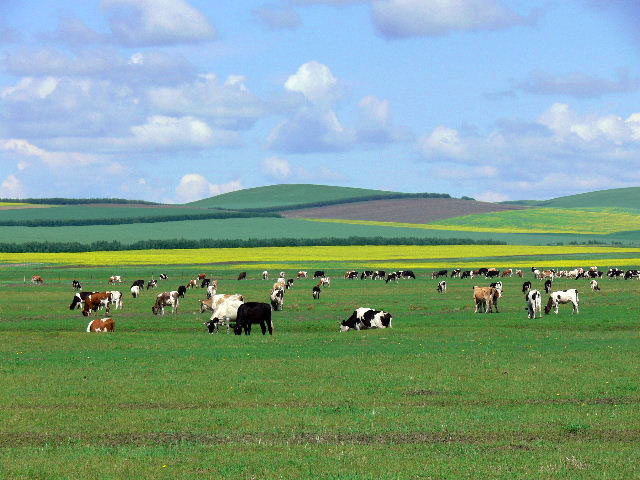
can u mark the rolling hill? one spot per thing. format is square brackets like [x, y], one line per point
[615, 197]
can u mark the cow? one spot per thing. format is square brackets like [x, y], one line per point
[226, 310]
[101, 325]
[497, 286]
[485, 298]
[366, 274]
[318, 274]
[594, 285]
[152, 284]
[242, 276]
[115, 279]
[289, 284]
[526, 286]
[277, 300]
[351, 274]
[325, 282]
[615, 273]
[78, 300]
[37, 280]
[455, 273]
[135, 291]
[562, 296]
[165, 299]
[265, 275]
[202, 276]
[95, 301]
[507, 272]
[519, 273]
[492, 272]
[76, 285]
[379, 275]
[302, 274]
[481, 271]
[251, 313]
[392, 276]
[116, 299]
[594, 274]
[466, 274]
[282, 275]
[548, 285]
[546, 274]
[163, 276]
[439, 273]
[205, 283]
[192, 283]
[211, 291]
[534, 303]
[216, 300]
[442, 287]
[409, 274]
[631, 274]
[315, 292]
[364, 318]
[138, 283]
[280, 284]
[182, 290]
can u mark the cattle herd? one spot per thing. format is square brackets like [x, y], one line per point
[232, 310]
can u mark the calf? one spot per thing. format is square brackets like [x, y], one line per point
[277, 299]
[78, 300]
[95, 301]
[364, 318]
[182, 290]
[165, 299]
[135, 291]
[242, 275]
[526, 286]
[442, 287]
[562, 296]
[485, 298]
[315, 291]
[534, 303]
[101, 325]
[594, 285]
[76, 285]
[251, 313]
[548, 285]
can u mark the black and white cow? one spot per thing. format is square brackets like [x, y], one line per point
[379, 275]
[455, 273]
[163, 276]
[409, 274]
[364, 318]
[138, 283]
[277, 299]
[534, 303]
[615, 273]
[316, 292]
[78, 300]
[594, 285]
[152, 284]
[466, 274]
[251, 313]
[205, 283]
[392, 276]
[366, 274]
[439, 273]
[562, 296]
[289, 284]
[76, 285]
[526, 286]
[631, 274]
[442, 287]
[548, 285]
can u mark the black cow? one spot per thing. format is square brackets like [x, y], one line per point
[481, 271]
[316, 292]
[548, 285]
[318, 274]
[466, 274]
[205, 283]
[455, 273]
[366, 274]
[138, 283]
[242, 276]
[182, 290]
[439, 273]
[410, 274]
[253, 312]
[78, 299]
[379, 275]
[76, 285]
[526, 286]
[391, 276]
[492, 273]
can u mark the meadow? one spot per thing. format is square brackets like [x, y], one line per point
[443, 394]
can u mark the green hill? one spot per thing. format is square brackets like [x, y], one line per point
[615, 197]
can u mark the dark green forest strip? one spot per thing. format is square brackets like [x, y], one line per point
[76, 201]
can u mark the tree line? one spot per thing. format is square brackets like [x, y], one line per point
[75, 201]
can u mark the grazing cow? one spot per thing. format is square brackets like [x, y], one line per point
[163, 276]
[519, 273]
[325, 282]
[78, 300]
[562, 296]
[631, 274]
[152, 284]
[615, 273]
[536, 272]
[526, 286]
[366, 274]
[76, 285]
[481, 271]
[594, 274]
[351, 274]
[182, 290]
[289, 284]
[318, 274]
[594, 285]
[546, 274]
[534, 303]
[202, 276]
[492, 272]
[455, 273]
[101, 325]
[364, 318]
[251, 313]
[95, 301]
[315, 291]
[548, 285]
[116, 299]
[135, 291]
[392, 276]
[439, 273]
[226, 310]
[242, 275]
[466, 274]
[277, 300]
[280, 284]
[379, 275]
[410, 274]
[507, 273]
[497, 285]
[216, 300]
[165, 299]
[192, 283]
[37, 280]
[211, 291]
[442, 287]
[138, 283]
[302, 274]
[485, 298]
[205, 282]
[265, 275]
[115, 279]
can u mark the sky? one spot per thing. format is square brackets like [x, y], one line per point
[176, 100]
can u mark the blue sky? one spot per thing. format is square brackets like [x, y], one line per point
[174, 100]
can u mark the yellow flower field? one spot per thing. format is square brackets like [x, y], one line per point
[272, 256]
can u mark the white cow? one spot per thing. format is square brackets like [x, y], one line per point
[594, 285]
[562, 296]
[265, 275]
[226, 311]
[116, 299]
[534, 303]
[442, 287]
[211, 291]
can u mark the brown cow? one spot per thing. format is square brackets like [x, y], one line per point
[96, 300]
[37, 280]
[101, 325]
[202, 276]
[507, 273]
[519, 273]
[192, 284]
[485, 298]
[166, 299]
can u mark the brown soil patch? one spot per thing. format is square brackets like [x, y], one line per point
[22, 207]
[409, 210]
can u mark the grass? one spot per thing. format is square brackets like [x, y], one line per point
[444, 394]
[615, 197]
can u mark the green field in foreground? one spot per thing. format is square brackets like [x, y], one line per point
[443, 394]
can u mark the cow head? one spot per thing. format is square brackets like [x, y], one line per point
[385, 319]
[212, 325]
[350, 323]
[548, 306]
[155, 309]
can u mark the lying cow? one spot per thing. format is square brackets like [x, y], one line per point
[251, 313]
[534, 303]
[364, 318]
[101, 325]
[485, 298]
[562, 296]
[166, 299]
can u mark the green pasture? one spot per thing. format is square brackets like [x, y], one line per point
[445, 393]
[614, 197]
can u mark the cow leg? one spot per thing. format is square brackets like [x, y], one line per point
[263, 327]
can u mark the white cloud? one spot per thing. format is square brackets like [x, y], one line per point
[194, 186]
[315, 81]
[276, 167]
[406, 18]
[12, 187]
[375, 124]
[491, 196]
[443, 142]
[157, 22]
[577, 84]
[22, 148]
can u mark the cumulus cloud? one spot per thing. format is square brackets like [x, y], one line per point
[374, 124]
[194, 186]
[443, 142]
[408, 18]
[315, 81]
[12, 187]
[276, 167]
[22, 148]
[577, 84]
[157, 22]
[73, 32]
[277, 17]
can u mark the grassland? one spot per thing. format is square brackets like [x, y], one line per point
[444, 394]
[73, 212]
[614, 197]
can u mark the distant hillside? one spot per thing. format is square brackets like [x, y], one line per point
[615, 197]
[293, 196]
